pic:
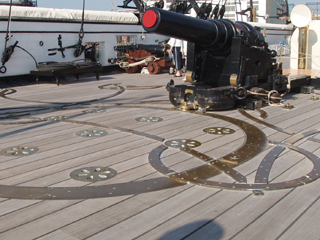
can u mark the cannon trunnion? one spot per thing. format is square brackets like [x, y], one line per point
[226, 61]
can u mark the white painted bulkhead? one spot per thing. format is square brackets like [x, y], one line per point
[38, 29]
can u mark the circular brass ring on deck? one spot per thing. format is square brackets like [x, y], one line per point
[194, 176]
[127, 188]
[120, 89]
[255, 143]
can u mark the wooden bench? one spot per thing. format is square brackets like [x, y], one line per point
[57, 70]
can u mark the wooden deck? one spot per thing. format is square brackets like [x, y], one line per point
[39, 199]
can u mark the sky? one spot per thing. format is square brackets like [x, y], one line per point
[104, 5]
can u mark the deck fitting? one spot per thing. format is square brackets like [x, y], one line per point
[257, 193]
[182, 143]
[93, 174]
[92, 133]
[19, 151]
[55, 118]
[95, 110]
[149, 119]
[288, 106]
[219, 130]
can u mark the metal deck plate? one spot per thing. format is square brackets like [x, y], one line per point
[219, 130]
[314, 139]
[199, 175]
[92, 133]
[244, 113]
[93, 174]
[263, 171]
[19, 151]
[263, 114]
[182, 143]
[149, 119]
[300, 136]
[95, 110]
[55, 118]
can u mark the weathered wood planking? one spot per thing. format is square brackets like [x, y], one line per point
[188, 211]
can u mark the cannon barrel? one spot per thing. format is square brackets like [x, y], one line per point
[213, 35]
[158, 50]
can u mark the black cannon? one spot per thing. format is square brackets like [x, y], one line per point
[226, 62]
[133, 57]
[159, 50]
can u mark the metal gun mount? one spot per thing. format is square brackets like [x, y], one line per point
[226, 62]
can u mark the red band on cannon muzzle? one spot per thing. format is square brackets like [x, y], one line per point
[149, 19]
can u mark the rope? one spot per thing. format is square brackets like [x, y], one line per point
[79, 47]
[5, 55]
[34, 59]
[269, 97]
[8, 33]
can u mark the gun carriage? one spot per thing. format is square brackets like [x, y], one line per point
[226, 62]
